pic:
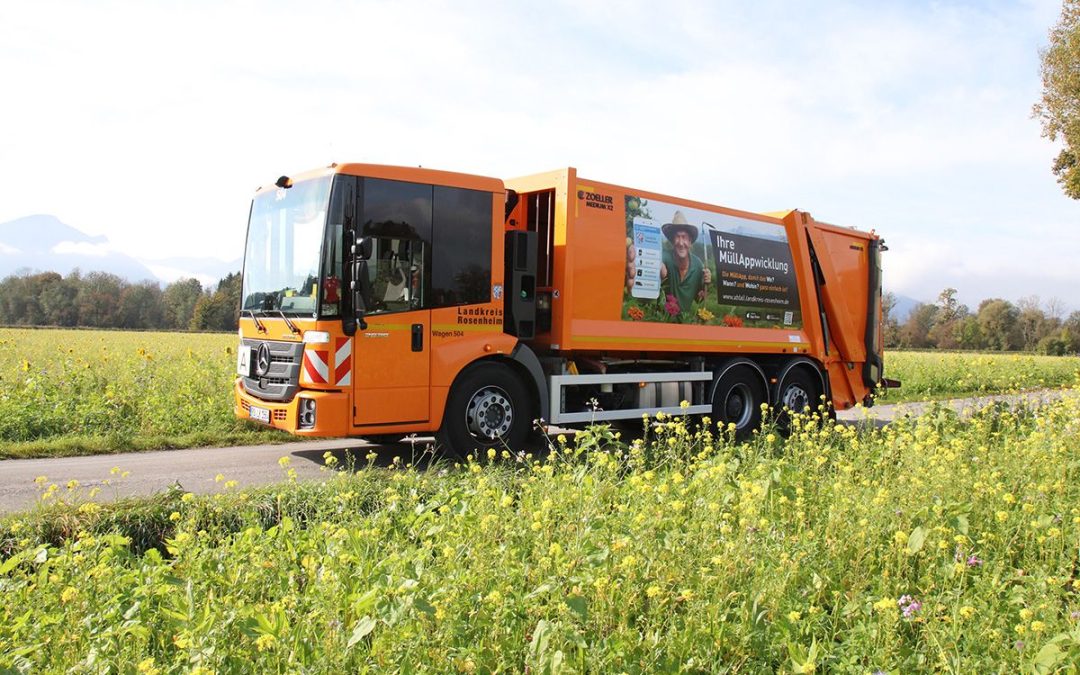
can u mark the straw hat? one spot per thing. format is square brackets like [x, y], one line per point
[679, 223]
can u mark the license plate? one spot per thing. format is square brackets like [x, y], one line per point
[244, 361]
[259, 414]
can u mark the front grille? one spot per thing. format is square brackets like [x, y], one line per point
[282, 378]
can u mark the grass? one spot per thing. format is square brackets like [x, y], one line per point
[933, 544]
[78, 392]
[74, 392]
[933, 375]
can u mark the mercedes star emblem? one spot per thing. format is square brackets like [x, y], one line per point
[262, 360]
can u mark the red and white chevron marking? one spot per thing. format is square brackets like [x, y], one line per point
[316, 365]
[315, 370]
[343, 362]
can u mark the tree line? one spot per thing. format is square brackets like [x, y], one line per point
[103, 300]
[996, 324]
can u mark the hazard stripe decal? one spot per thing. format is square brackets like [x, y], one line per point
[343, 361]
[315, 366]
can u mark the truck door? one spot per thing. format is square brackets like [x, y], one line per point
[392, 364]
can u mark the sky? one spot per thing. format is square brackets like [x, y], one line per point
[152, 123]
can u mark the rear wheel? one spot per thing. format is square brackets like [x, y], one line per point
[798, 393]
[488, 407]
[737, 397]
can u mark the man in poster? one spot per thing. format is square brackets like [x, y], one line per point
[682, 274]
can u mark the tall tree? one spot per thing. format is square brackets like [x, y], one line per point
[998, 322]
[98, 300]
[141, 306]
[1059, 109]
[915, 332]
[220, 309]
[179, 298]
[58, 299]
[890, 325]
[946, 331]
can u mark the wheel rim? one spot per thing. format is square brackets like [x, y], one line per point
[489, 413]
[739, 404]
[795, 398]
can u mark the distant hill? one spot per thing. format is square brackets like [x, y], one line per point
[904, 306]
[207, 270]
[42, 243]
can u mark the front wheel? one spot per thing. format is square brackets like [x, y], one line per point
[737, 397]
[488, 407]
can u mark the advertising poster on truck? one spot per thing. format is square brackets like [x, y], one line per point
[690, 266]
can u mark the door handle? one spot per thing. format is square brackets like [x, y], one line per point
[418, 337]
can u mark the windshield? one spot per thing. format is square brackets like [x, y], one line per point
[281, 264]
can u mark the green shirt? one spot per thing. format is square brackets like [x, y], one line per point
[686, 289]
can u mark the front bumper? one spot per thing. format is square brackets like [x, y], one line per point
[333, 416]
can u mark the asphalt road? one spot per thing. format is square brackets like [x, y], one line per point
[197, 470]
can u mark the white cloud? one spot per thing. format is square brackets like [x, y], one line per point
[170, 274]
[82, 248]
[8, 250]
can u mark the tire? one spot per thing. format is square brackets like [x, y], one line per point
[798, 391]
[737, 397]
[488, 407]
[796, 394]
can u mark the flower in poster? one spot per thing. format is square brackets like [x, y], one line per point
[672, 305]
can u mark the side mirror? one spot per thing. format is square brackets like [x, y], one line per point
[361, 285]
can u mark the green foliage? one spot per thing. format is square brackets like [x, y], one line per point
[935, 544]
[1059, 109]
[113, 390]
[936, 375]
[180, 298]
[220, 310]
[100, 300]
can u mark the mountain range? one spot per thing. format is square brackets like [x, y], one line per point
[42, 243]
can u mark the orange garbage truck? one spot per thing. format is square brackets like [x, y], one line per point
[385, 301]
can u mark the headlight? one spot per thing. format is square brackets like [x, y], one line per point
[306, 413]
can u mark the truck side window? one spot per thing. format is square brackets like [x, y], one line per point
[432, 244]
[397, 275]
[397, 217]
[461, 264]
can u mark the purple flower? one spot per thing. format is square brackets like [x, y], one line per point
[971, 560]
[909, 605]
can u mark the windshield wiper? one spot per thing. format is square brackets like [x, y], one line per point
[290, 324]
[255, 318]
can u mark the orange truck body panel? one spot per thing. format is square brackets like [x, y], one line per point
[375, 383]
[589, 260]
